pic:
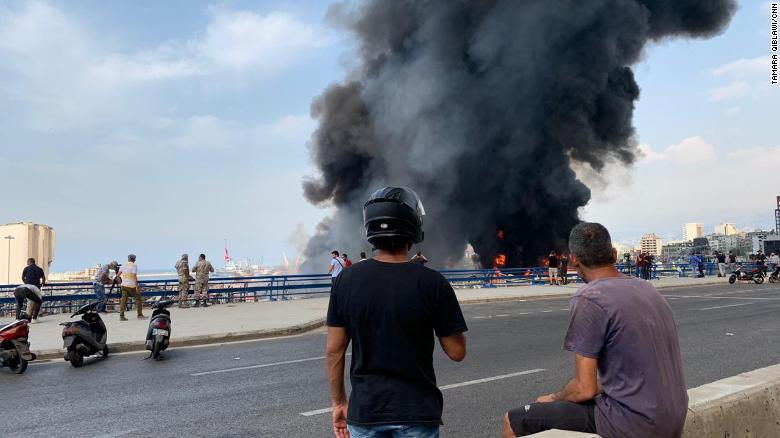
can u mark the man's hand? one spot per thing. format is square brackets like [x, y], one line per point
[546, 398]
[340, 420]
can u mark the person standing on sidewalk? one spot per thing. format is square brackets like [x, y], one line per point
[564, 270]
[721, 263]
[628, 376]
[347, 261]
[183, 271]
[336, 266]
[389, 309]
[552, 267]
[128, 276]
[202, 269]
[102, 278]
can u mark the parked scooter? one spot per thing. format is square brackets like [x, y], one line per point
[14, 348]
[84, 337]
[159, 333]
[756, 275]
[774, 277]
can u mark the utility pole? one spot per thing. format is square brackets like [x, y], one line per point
[9, 238]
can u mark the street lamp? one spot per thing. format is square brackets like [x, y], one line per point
[9, 238]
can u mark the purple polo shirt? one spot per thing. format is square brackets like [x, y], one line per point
[626, 325]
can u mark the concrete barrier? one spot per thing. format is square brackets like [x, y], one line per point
[746, 405]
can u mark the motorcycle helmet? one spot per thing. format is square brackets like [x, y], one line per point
[394, 212]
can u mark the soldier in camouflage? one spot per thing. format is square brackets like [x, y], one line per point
[202, 270]
[183, 269]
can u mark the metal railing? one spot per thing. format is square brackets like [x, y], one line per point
[66, 297]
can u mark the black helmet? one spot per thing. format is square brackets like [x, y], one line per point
[393, 212]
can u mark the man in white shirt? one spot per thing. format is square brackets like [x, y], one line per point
[336, 265]
[128, 274]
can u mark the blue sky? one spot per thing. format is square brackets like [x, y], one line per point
[165, 127]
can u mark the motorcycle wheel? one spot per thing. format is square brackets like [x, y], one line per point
[772, 279]
[732, 279]
[156, 350]
[76, 359]
[18, 367]
[758, 280]
[105, 350]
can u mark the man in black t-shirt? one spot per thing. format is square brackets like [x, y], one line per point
[390, 308]
[33, 274]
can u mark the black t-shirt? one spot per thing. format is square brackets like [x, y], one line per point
[552, 261]
[732, 258]
[391, 312]
[721, 258]
[32, 274]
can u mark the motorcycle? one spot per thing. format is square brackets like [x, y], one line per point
[158, 334]
[774, 277]
[84, 337]
[14, 348]
[756, 275]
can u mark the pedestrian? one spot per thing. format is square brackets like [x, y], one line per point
[773, 260]
[183, 272]
[564, 269]
[732, 261]
[721, 263]
[336, 266]
[33, 274]
[700, 264]
[390, 310]
[640, 263]
[419, 258]
[628, 376]
[693, 262]
[761, 261]
[346, 260]
[552, 266]
[102, 278]
[363, 257]
[32, 294]
[202, 269]
[128, 277]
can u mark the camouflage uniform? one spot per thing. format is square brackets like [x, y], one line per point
[201, 270]
[183, 269]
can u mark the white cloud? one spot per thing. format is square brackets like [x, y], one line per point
[733, 111]
[243, 41]
[691, 150]
[744, 66]
[733, 90]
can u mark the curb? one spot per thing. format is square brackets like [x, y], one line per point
[217, 338]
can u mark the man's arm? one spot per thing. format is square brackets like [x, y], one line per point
[330, 268]
[582, 387]
[43, 278]
[454, 346]
[335, 354]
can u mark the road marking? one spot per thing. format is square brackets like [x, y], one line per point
[446, 387]
[265, 365]
[713, 297]
[490, 379]
[730, 305]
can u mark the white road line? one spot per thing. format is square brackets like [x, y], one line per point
[446, 387]
[713, 297]
[265, 365]
[730, 305]
[490, 379]
[317, 412]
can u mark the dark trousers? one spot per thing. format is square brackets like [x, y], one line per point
[563, 415]
[22, 293]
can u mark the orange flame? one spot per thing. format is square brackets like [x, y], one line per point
[500, 261]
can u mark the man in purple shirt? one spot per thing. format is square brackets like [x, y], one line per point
[628, 378]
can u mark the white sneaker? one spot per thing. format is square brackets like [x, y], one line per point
[34, 321]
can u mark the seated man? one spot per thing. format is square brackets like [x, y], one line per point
[622, 333]
[32, 294]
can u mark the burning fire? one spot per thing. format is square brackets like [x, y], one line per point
[500, 261]
[500, 234]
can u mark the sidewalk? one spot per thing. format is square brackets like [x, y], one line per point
[242, 321]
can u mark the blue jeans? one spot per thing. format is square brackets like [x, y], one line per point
[100, 293]
[393, 431]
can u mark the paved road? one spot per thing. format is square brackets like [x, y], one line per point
[262, 388]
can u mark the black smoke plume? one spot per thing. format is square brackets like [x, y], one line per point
[481, 106]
